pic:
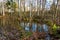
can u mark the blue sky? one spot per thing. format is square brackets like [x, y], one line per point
[48, 3]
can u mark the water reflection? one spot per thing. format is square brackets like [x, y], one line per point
[47, 37]
[41, 28]
[34, 27]
[27, 26]
[22, 24]
[45, 27]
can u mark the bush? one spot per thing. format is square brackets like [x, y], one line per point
[54, 29]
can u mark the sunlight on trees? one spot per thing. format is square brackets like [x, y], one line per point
[16, 14]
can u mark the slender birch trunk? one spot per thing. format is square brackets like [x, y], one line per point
[19, 11]
[30, 15]
[38, 7]
[57, 12]
[24, 14]
[3, 13]
[3, 8]
[43, 7]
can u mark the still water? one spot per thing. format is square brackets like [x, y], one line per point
[41, 28]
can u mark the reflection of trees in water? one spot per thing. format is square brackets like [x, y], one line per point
[41, 28]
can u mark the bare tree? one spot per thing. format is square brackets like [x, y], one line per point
[38, 6]
[57, 12]
[43, 7]
[3, 8]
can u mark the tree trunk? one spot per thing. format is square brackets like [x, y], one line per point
[38, 7]
[30, 16]
[3, 8]
[43, 7]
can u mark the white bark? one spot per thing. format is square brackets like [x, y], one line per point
[3, 8]
[38, 7]
[30, 9]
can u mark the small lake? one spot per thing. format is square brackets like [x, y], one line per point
[41, 28]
